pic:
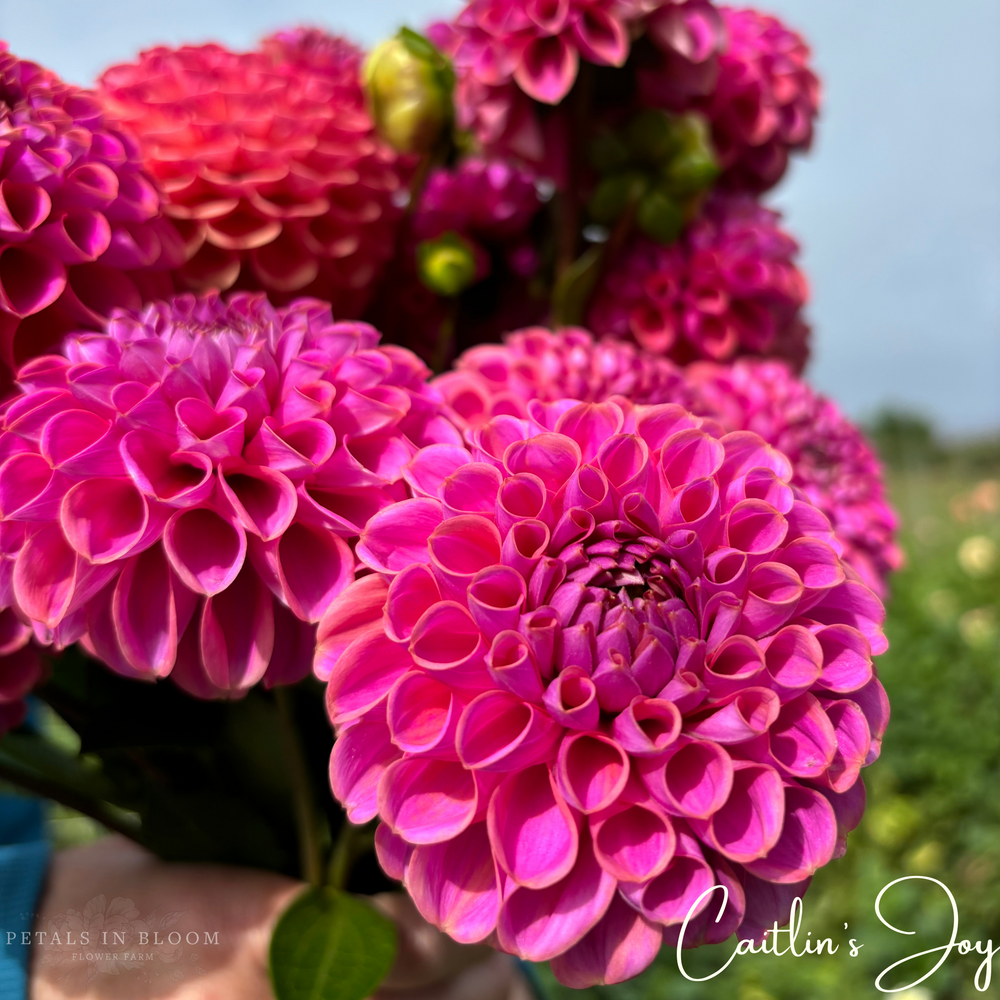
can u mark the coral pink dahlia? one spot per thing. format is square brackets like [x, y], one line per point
[178, 491]
[730, 286]
[270, 164]
[80, 220]
[605, 661]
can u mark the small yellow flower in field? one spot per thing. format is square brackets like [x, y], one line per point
[978, 627]
[977, 555]
[925, 859]
[891, 823]
[942, 606]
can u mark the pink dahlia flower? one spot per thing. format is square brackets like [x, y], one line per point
[730, 286]
[833, 463]
[178, 492]
[80, 220]
[20, 669]
[605, 660]
[270, 164]
[765, 101]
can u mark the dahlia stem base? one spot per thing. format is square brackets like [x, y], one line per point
[306, 819]
[352, 841]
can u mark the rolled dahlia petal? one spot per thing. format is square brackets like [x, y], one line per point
[833, 465]
[580, 714]
[179, 491]
[730, 286]
[81, 227]
[269, 162]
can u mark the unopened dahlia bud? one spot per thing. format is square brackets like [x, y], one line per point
[446, 265]
[409, 85]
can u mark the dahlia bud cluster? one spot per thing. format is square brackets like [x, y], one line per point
[606, 659]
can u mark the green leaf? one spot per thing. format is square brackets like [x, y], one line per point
[329, 945]
[574, 287]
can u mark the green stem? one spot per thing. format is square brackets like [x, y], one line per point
[306, 820]
[445, 346]
[107, 815]
[352, 842]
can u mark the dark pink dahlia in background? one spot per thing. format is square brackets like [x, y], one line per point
[81, 231]
[178, 492]
[730, 286]
[765, 101]
[833, 463]
[605, 660]
[21, 669]
[270, 164]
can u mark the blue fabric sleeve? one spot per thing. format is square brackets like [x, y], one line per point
[24, 855]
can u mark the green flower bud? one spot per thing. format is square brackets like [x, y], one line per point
[446, 264]
[409, 85]
[650, 137]
[615, 192]
[660, 217]
[694, 167]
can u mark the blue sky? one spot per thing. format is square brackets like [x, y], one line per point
[897, 207]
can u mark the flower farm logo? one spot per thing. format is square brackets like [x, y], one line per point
[111, 938]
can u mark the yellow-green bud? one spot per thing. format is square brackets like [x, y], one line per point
[660, 217]
[614, 193]
[446, 264]
[409, 85]
[694, 167]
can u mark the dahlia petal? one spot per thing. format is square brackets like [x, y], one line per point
[30, 279]
[200, 427]
[848, 808]
[853, 744]
[78, 442]
[472, 489]
[807, 841]
[496, 598]
[689, 455]
[802, 740]
[411, 593]
[499, 732]
[755, 527]
[525, 545]
[392, 851]
[512, 665]
[357, 609]
[538, 924]
[427, 801]
[767, 903]
[233, 655]
[313, 567]
[547, 69]
[532, 830]
[551, 457]
[45, 576]
[749, 824]
[294, 648]
[773, 595]
[692, 778]
[423, 715]
[103, 519]
[571, 699]
[632, 842]
[446, 641]
[205, 549]
[874, 703]
[454, 885]
[29, 489]
[431, 467]
[397, 536]
[364, 675]
[590, 425]
[360, 757]
[737, 663]
[647, 727]
[541, 630]
[745, 716]
[460, 547]
[601, 38]
[262, 499]
[854, 604]
[669, 897]
[847, 663]
[176, 477]
[592, 771]
[621, 946]
[794, 660]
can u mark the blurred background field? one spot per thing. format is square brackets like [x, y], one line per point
[934, 795]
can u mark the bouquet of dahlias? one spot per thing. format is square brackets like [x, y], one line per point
[570, 629]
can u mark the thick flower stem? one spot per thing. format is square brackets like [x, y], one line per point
[445, 347]
[118, 821]
[306, 819]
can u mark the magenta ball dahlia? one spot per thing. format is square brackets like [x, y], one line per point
[765, 101]
[269, 162]
[81, 231]
[178, 492]
[729, 286]
[606, 659]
